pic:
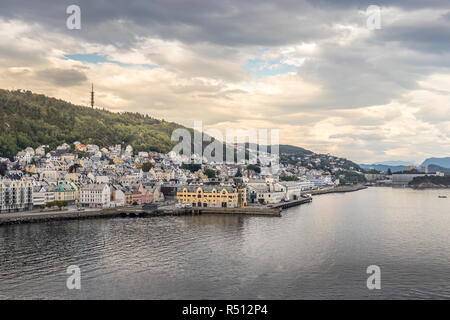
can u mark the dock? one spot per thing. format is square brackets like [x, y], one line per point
[293, 203]
[338, 189]
[133, 212]
[253, 211]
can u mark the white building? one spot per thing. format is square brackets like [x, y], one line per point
[42, 196]
[15, 195]
[405, 178]
[143, 155]
[102, 179]
[260, 191]
[40, 151]
[118, 197]
[95, 196]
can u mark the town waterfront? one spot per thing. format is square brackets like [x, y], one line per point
[318, 250]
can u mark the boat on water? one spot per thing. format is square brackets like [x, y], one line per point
[442, 196]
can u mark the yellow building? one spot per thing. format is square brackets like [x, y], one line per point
[72, 177]
[212, 196]
[66, 192]
[117, 160]
[31, 169]
[201, 175]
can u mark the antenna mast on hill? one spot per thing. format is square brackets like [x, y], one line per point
[92, 96]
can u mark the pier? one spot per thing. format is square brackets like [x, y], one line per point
[338, 189]
[271, 210]
[133, 212]
[293, 203]
[34, 217]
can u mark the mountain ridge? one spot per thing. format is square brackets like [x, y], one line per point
[382, 167]
[441, 162]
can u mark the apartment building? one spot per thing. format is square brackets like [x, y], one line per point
[66, 192]
[95, 196]
[42, 195]
[214, 196]
[15, 195]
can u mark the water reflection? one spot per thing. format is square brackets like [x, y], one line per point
[319, 250]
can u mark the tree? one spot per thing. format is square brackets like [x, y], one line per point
[61, 204]
[238, 173]
[192, 167]
[288, 178]
[254, 167]
[210, 173]
[3, 169]
[31, 120]
[80, 154]
[146, 166]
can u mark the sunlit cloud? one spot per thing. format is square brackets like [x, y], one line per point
[313, 71]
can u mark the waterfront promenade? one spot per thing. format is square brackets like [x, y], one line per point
[33, 217]
[264, 210]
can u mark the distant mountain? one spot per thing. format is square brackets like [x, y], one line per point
[436, 168]
[396, 163]
[442, 162]
[434, 164]
[383, 167]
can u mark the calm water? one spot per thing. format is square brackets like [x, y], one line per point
[320, 250]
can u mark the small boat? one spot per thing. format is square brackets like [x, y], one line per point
[442, 196]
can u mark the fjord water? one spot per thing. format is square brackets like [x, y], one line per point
[316, 251]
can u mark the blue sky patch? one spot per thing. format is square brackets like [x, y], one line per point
[262, 68]
[100, 58]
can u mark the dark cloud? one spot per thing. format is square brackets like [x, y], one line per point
[370, 71]
[228, 22]
[11, 55]
[426, 35]
[247, 22]
[62, 77]
[363, 4]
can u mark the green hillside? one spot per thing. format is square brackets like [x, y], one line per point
[28, 119]
[288, 149]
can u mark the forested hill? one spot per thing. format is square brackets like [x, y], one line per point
[30, 120]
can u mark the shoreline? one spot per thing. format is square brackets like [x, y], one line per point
[339, 190]
[26, 217]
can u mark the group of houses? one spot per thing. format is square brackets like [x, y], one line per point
[89, 176]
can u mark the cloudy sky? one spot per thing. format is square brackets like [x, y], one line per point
[312, 69]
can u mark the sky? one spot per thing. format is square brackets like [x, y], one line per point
[314, 70]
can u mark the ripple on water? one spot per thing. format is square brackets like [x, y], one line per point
[320, 250]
